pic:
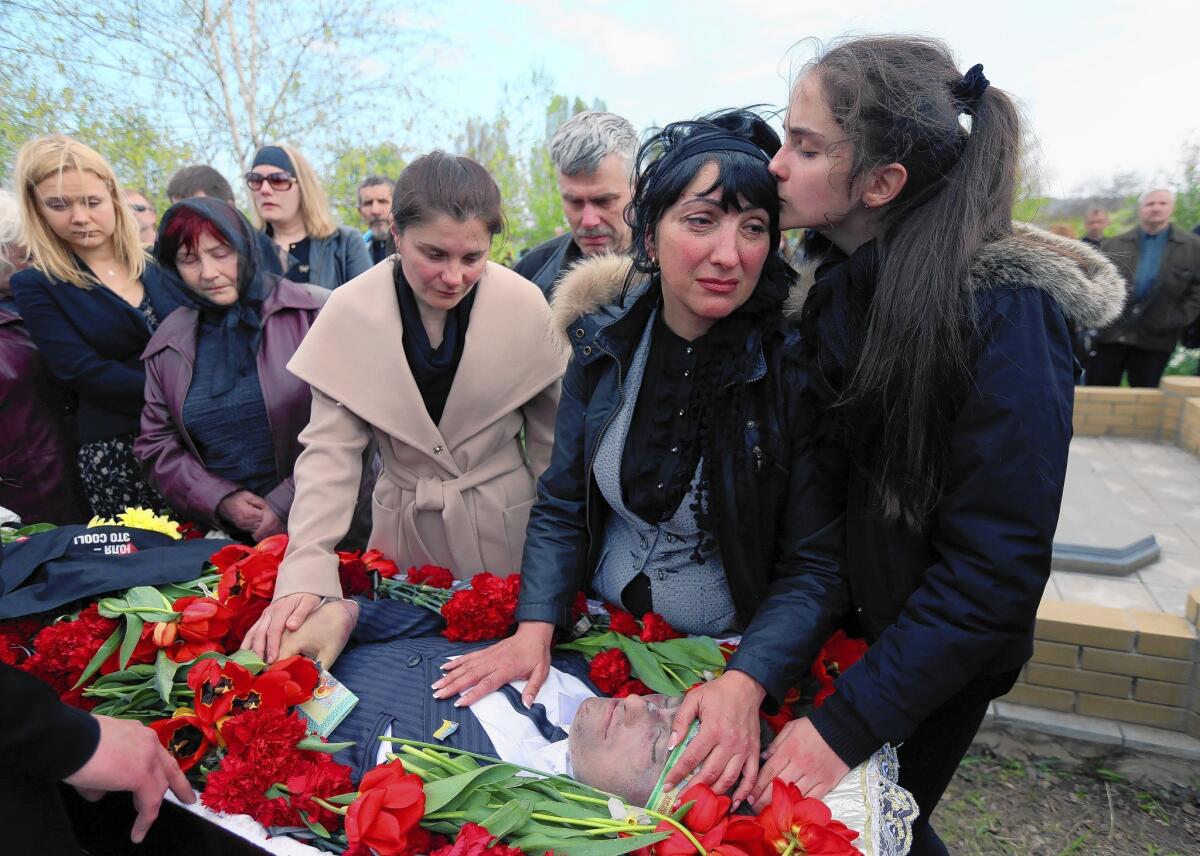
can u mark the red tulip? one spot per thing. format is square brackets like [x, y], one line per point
[288, 682]
[275, 546]
[800, 824]
[202, 619]
[218, 686]
[708, 811]
[376, 561]
[185, 737]
[389, 806]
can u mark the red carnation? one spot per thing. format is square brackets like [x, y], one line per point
[470, 617]
[621, 621]
[352, 574]
[322, 779]
[473, 840]
[265, 737]
[431, 575]
[63, 650]
[632, 687]
[609, 670]
[656, 629]
[16, 639]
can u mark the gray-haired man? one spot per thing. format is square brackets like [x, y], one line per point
[1161, 267]
[593, 153]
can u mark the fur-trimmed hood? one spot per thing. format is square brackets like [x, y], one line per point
[1087, 287]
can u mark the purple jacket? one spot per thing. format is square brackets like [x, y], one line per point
[167, 453]
[38, 475]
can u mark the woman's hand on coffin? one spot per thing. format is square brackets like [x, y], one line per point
[727, 744]
[799, 754]
[129, 757]
[524, 655]
[288, 613]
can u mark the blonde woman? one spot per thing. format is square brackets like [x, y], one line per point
[90, 300]
[291, 207]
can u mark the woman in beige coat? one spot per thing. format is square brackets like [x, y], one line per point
[445, 360]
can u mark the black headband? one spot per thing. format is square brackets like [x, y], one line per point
[710, 141]
[274, 156]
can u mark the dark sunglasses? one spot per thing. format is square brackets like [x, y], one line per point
[277, 180]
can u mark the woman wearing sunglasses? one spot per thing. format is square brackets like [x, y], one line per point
[291, 207]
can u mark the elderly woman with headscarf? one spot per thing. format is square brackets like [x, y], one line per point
[219, 432]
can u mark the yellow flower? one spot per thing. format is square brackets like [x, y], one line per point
[142, 518]
[101, 521]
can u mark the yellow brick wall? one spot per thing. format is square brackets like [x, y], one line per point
[1119, 412]
[1123, 664]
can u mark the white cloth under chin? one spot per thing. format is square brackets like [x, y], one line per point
[868, 799]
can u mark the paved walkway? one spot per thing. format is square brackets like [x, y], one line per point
[1159, 483]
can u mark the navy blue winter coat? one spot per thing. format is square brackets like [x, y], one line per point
[92, 340]
[944, 607]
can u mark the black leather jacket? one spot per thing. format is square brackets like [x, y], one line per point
[779, 541]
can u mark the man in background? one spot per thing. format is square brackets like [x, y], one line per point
[199, 180]
[1095, 221]
[593, 154]
[145, 215]
[1161, 267]
[375, 208]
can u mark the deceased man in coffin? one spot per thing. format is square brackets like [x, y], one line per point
[616, 745]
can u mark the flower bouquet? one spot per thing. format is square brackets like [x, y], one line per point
[167, 656]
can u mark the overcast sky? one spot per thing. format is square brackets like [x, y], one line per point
[1110, 86]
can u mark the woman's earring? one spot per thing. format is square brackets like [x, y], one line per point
[866, 204]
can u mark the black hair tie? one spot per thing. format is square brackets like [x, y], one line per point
[969, 88]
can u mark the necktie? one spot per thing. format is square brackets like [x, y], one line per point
[537, 713]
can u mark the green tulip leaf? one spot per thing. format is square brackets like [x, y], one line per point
[512, 815]
[646, 667]
[133, 635]
[441, 794]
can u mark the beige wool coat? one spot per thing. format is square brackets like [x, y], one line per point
[456, 494]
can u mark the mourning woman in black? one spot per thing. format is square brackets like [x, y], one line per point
[681, 459]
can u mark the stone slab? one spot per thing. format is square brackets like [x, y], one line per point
[1062, 724]
[1096, 533]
